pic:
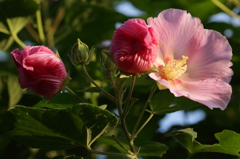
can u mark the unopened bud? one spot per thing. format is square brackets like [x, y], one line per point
[108, 63]
[108, 66]
[80, 53]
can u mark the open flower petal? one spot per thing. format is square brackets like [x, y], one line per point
[209, 56]
[204, 74]
[175, 29]
[212, 92]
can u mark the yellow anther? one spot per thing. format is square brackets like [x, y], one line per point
[174, 68]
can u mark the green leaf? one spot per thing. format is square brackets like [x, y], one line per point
[14, 15]
[3, 28]
[59, 101]
[5, 41]
[61, 128]
[103, 106]
[147, 148]
[67, 157]
[14, 90]
[152, 148]
[185, 137]
[165, 102]
[6, 34]
[84, 18]
[229, 142]
[18, 23]
[18, 19]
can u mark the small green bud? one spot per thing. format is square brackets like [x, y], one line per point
[108, 63]
[80, 53]
[109, 69]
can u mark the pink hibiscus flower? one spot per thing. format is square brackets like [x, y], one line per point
[192, 61]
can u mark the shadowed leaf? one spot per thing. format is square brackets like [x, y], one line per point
[165, 102]
[61, 129]
[229, 142]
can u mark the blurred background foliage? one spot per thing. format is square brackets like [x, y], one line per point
[94, 22]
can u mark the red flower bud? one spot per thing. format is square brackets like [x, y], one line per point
[40, 70]
[134, 46]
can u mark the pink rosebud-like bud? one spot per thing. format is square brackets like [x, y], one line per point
[40, 70]
[134, 46]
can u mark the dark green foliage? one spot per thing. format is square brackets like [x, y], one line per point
[93, 21]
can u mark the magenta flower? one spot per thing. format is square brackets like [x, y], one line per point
[40, 70]
[134, 46]
[192, 61]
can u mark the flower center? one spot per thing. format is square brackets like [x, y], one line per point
[173, 68]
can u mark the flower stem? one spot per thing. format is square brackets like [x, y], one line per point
[112, 98]
[144, 124]
[33, 33]
[134, 134]
[74, 94]
[122, 119]
[128, 106]
[14, 35]
[119, 92]
[40, 26]
[126, 111]
[122, 146]
[225, 8]
[52, 29]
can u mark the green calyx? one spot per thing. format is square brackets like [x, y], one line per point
[127, 75]
[66, 81]
[108, 62]
[151, 70]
